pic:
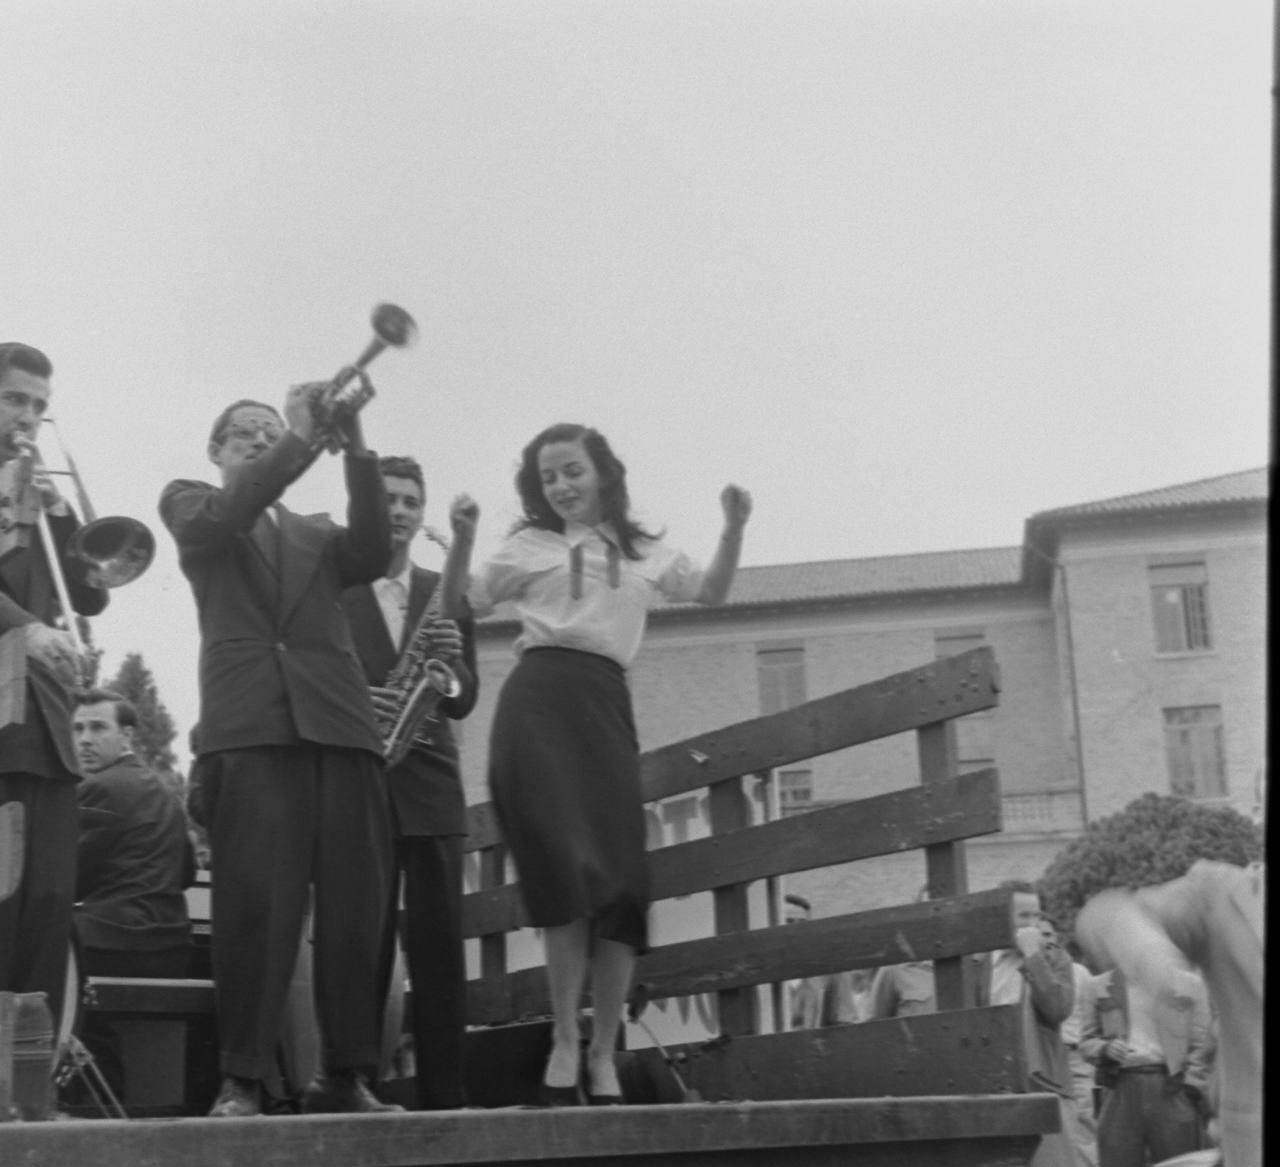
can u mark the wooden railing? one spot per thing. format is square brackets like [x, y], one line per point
[960, 1049]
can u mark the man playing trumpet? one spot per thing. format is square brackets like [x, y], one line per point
[290, 753]
[388, 619]
[39, 664]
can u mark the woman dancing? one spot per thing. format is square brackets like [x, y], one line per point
[563, 758]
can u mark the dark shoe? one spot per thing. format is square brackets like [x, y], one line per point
[238, 1098]
[561, 1095]
[343, 1092]
[604, 1099]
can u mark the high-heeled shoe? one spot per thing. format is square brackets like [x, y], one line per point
[594, 1099]
[561, 1095]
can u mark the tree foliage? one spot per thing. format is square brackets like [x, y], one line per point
[1154, 839]
[155, 733]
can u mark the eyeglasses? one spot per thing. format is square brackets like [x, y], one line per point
[246, 431]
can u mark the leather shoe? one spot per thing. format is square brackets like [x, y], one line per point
[238, 1098]
[343, 1092]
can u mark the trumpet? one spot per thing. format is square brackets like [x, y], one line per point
[350, 390]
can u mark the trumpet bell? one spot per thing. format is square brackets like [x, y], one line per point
[115, 550]
[394, 326]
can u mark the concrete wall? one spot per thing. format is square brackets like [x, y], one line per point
[1124, 684]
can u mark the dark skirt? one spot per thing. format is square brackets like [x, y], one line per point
[564, 771]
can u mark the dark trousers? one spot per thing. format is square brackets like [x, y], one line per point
[1146, 1116]
[35, 922]
[282, 820]
[431, 871]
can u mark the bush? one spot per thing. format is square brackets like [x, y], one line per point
[1154, 839]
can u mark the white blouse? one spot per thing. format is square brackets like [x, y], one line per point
[578, 590]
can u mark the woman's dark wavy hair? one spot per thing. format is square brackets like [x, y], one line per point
[615, 503]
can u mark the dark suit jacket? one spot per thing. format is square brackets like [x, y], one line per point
[134, 859]
[277, 665]
[426, 788]
[42, 743]
[1048, 996]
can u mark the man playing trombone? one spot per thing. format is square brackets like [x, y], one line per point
[38, 666]
[289, 749]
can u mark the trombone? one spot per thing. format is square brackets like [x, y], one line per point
[115, 550]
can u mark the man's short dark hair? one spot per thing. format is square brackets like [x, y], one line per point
[126, 711]
[16, 355]
[402, 466]
[218, 434]
[1022, 886]
[798, 901]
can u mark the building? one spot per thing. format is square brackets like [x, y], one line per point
[1130, 635]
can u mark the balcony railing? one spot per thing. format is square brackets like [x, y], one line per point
[1029, 812]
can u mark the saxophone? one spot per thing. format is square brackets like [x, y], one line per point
[420, 680]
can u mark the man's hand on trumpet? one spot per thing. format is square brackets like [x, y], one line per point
[300, 412]
[305, 410]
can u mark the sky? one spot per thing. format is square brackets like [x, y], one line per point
[908, 270]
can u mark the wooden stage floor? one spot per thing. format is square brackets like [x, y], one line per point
[961, 1131]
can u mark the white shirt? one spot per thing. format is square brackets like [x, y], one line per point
[577, 590]
[1072, 1026]
[393, 598]
[1006, 977]
[1144, 1037]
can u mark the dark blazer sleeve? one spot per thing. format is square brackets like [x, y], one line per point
[363, 549]
[1051, 983]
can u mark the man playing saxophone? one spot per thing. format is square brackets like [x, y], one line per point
[396, 628]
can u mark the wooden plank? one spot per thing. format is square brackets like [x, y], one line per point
[970, 1050]
[978, 922]
[493, 947]
[154, 996]
[942, 689]
[710, 1133]
[886, 824]
[946, 873]
[737, 1010]
[8, 1027]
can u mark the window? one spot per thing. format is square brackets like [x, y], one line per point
[795, 791]
[1193, 743]
[781, 675]
[975, 732]
[1180, 606]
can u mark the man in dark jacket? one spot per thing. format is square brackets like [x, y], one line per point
[427, 803]
[38, 664]
[290, 754]
[135, 856]
[134, 861]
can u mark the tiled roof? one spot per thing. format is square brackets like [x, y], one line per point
[1243, 486]
[882, 575]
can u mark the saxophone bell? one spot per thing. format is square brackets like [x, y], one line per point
[436, 681]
